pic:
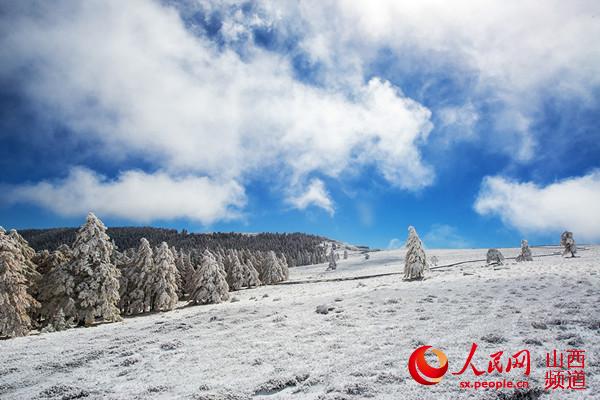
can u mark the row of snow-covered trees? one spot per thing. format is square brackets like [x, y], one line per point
[93, 281]
[298, 248]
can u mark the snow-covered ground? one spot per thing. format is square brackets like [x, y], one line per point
[271, 344]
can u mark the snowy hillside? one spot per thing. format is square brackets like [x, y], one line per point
[269, 343]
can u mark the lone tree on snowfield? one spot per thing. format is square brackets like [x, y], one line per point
[567, 241]
[415, 262]
[209, 281]
[525, 252]
[345, 254]
[494, 257]
[332, 260]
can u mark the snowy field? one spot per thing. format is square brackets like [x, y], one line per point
[271, 344]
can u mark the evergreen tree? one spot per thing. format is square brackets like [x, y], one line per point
[332, 260]
[15, 301]
[164, 280]
[272, 270]
[415, 261]
[209, 282]
[525, 252]
[138, 278]
[345, 254]
[96, 278]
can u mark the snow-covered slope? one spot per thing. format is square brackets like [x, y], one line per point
[271, 344]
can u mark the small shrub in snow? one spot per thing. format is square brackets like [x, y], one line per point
[567, 241]
[525, 252]
[415, 261]
[209, 282]
[494, 257]
[434, 260]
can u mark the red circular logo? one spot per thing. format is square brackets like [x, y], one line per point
[421, 371]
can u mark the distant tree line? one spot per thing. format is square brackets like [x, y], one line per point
[298, 248]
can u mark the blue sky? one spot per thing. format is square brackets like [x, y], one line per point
[342, 119]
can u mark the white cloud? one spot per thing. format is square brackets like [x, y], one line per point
[444, 236]
[315, 195]
[129, 78]
[136, 196]
[572, 204]
[521, 52]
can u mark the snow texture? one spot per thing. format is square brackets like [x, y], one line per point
[258, 348]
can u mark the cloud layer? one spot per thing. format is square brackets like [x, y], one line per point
[129, 78]
[135, 195]
[571, 204]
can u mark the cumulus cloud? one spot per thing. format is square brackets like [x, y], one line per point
[444, 236]
[135, 195]
[315, 195]
[571, 204]
[520, 52]
[129, 78]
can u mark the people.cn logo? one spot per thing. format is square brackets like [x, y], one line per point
[421, 371]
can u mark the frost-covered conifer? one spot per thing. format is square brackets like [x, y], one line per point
[345, 254]
[415, 261]
[138, 278]
[164, 280]
[186, 271]
[568, 242]
[525, 252]
[209, 282]
[15, 301]
[434, 260]
[235, 271]
[272, 270]
[367, 256]
[494, 257]
[251, 277]
[30, 268]
[332, 260]
[96, 278]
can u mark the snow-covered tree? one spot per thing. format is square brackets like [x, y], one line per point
[415, 261]
[164, 280]
[96, 278]
[367, 256]
[345, 254]
[186, 271]
[138, 275]
[236, 274]
[332, 260]
[57, 323]
[251, 277]
[494, 257]
[525, 252]
[568, 242]
[30, 268]
[272, 271]
[15, 301]
[209, 282]
[434, 260]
